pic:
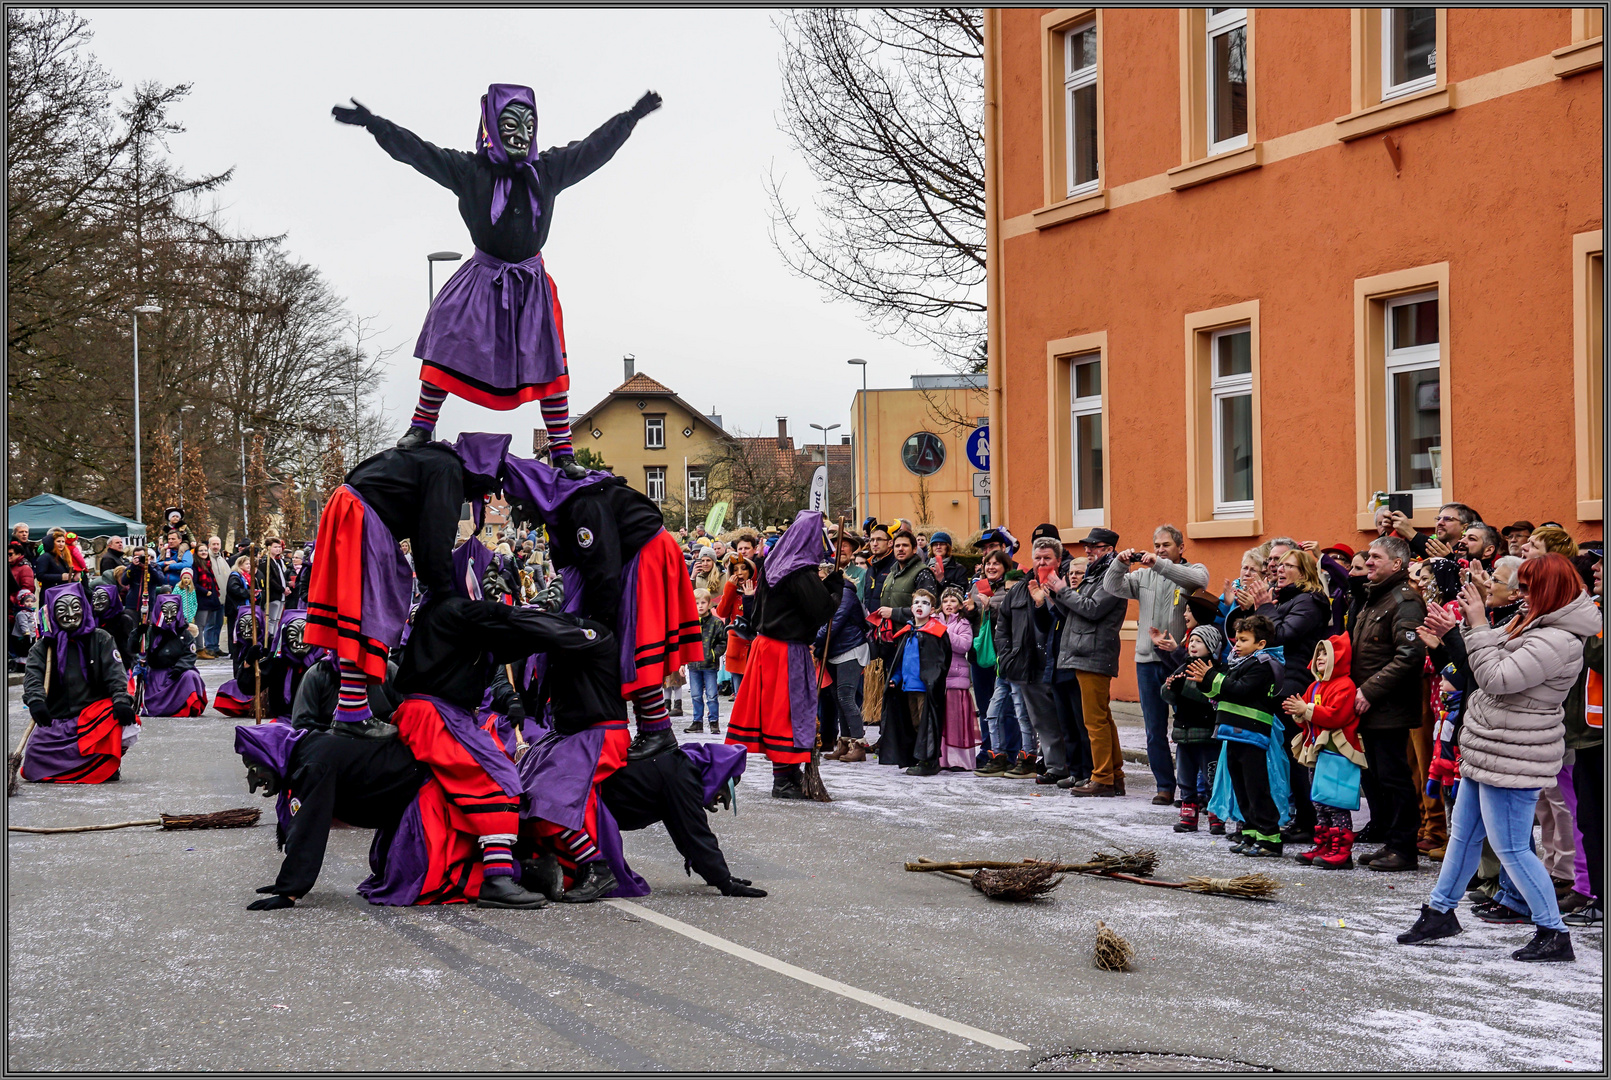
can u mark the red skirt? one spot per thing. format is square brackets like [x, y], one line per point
[360, 588]
[452, 853]
[662, 618]
[775, 710]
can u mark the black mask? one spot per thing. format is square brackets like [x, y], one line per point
[517, 126]
[100, 601]
[243, 627]
[68, 612]
[293, 639]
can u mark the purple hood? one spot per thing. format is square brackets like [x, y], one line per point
[802, 544]
[268, 745]
[47, 617]
[544, 486]
[719, 762]
[470, 562]
[498, 97]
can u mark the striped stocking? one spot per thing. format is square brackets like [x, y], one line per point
[649, 706]
[352, 702]
[430, 405]
[557, 419]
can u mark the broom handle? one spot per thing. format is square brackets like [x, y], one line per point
[14, 763]
[83, 828]
[257, 670]
[1146, 881]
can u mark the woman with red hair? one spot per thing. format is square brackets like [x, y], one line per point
[1511, 747]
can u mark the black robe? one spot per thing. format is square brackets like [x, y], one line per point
[668, 788]
[74, 686]
[418, 495]
[276, 702]
[598, 530]
[899, 742]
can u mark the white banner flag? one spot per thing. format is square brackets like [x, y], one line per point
[819, 489]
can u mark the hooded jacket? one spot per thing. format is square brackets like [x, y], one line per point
[1194, 711]
[1513, 734]
[1328, 721]
[1387, 654]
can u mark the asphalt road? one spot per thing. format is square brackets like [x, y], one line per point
[132, 950]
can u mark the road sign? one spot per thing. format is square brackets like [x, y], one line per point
[981, 485]
[979, 448]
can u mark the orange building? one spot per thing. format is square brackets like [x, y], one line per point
[1249, 266]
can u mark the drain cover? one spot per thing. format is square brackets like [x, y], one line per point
[1128, 1061]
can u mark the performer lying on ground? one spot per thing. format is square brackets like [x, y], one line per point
[85, 718]
[172, 685]
[284, 663]
[495, 334]
[361, 584]
[230, 699]
[622, 568]
[775, 712]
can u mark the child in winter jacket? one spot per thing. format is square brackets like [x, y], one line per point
[1328, 725]
[959, 742]
[702, 674]
[1193, 729]
[914, 700]
[1244, 697]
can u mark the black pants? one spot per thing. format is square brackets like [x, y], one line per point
[1303, 818]
[1395, 806]
[1250, 780]
[1588, 781]
[1071, 716]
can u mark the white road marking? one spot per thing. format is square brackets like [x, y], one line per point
[822, 982]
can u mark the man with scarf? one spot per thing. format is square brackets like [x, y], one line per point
[775, 712]
[165, 662]
[283, 662]
[495, 334]
[76, 690]
[361, 585]
[621, 567]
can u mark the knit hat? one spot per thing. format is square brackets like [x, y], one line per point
[1212, 639]
[940, 536]
[1046, 529]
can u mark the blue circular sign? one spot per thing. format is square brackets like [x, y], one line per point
[979, 448]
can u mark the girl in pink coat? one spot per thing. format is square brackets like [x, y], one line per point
[959, 744]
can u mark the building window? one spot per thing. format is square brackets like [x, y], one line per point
[1588, 370]
[923, 453]
[654, 432]
[655, 483]
[1086, 432]
[1409, 50]
[1079, 107]
[1414, 396]
[696, 486]
[1231, 388]
[1227, 79]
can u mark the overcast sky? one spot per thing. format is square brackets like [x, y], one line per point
[662, 253]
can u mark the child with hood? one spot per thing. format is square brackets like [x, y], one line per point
[188, 598]
[1193, 728]
[959, 742]
[1329, 729]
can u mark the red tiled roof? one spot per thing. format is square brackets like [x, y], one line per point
[642, 384]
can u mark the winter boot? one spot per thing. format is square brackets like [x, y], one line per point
[502, 891]
[676, 706]
[840, 747]
[543, 875]
[1432, 924]
[593, 880]
[650, 743]
[1023, 768]
[1547, 946]
[695, 728]
[1188, 818]
[1325, 837]
[994, 765]
[715, 728]
[789, 785]
[1340, 855]
[856, 751]
[1216, 827]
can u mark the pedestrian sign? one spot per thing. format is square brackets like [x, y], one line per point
[979, 448]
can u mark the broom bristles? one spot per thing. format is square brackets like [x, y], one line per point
[1252, 886]
[243, 817]
[1113, 953]
[1141, 863]
[1018, 883]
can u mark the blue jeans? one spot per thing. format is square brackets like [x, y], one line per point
[1010, 730]
[1155, 715]
[984, 688]
[210, 623]
[1505, 817]
[702, 688]
[1194, 771]
[737, 679]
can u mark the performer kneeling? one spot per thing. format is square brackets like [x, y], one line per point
[173, 686]
[106, 601]
[775, 712]
[230, 699]
[284, 664]
[77, 692]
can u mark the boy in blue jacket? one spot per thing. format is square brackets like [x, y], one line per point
[1244, 696]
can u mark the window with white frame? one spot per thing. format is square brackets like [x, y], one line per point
[1079, 105]
[1231, 385]
[654, 432]
[696, 486]
[1414, 398]
[655, 483]
[1227, 79]
[1085, 383]
[1409, 50]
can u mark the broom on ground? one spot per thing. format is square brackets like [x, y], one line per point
[1011, 881]
[240, 818]
[1113, 953]
[1247, 886]
[1142, 862]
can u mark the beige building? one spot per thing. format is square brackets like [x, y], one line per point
[916, 464]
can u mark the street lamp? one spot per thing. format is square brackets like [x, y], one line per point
[180, 471]
[246, 523]
[430, 271]
[147, 308]
[829, 474]
[866, 482]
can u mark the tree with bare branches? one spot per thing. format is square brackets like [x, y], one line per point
[886, 106]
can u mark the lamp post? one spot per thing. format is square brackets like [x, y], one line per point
[430, 271]
[146, 308]
[246, 523]
[180, 470]
[866, 481]
[825, 431]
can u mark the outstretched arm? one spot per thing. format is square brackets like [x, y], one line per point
[563, 166]
[446, 167]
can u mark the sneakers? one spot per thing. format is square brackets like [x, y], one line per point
[1432, 925]
[1023, 768]
[1188, 818]
[1340, 855]
[1547, 947]
[1593, 915]
[1240, 844]
[1323, 839]
[695, 728]
[994, 765]
[1495, 912]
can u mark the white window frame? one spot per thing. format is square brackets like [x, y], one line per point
[654, 426]
[1221, 387]
[1396, 362]
[1077, 80]
[1389, 90]
[1219, 25]
[655, 476]
[697, 480]
[1084, 406]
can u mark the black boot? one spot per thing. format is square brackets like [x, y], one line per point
[369, 729]
[414, 438]
[1547, 947]
[566, 464]
[788, 785]
[503, 891]
[926, 767]
[1432, 925]
[650, 743]
[593, 880]
[543, 875]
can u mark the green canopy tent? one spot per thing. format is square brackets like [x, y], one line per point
[45, 512]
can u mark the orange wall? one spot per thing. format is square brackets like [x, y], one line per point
[1496, 189]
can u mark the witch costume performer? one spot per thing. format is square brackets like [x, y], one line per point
[283, 663]
[231, 699]
[172, 685]
[76, 690]
[495, 335]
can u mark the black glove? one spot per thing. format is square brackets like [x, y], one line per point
[733, 888]
[251, 654]
[356, 115]
[41, 715]
[123, 713]
[270, 903]
[647, 104]
[524, 512]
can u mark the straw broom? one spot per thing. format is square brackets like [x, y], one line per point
[1247, 886]
[1142, 862]
[240, 818]
[1113, 953]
